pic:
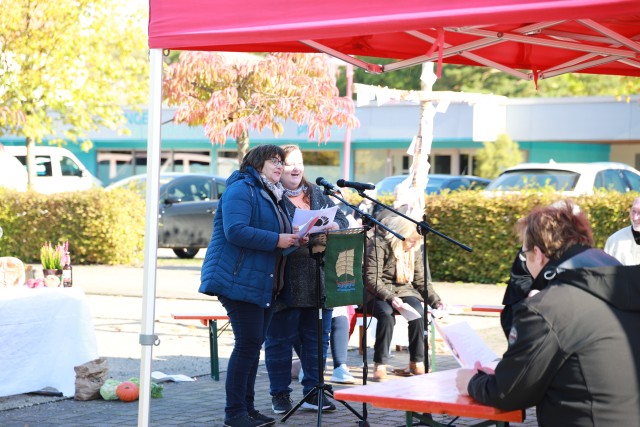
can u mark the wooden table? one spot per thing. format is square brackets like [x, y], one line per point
[424, 395]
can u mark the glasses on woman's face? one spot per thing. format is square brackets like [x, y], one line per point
[523, 254]
[276, 162]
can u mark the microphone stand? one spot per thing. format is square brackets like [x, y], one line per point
[367, 221]
[423, 228]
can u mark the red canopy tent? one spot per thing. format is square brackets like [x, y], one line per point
[530, 39]
[524, 38]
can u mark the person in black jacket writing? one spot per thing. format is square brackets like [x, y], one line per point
[574, 347]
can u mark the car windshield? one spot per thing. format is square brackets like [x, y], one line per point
[559, 180]
[387, 185]
[434, 184]
[139, 183]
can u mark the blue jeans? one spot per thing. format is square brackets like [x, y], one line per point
[249, 323]
[288, 327]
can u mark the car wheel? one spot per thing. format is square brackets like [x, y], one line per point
[186, 252]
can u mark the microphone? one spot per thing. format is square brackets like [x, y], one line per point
[360, 186]
[326, 184]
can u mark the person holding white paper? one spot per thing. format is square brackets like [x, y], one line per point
[245, 268]
[394, 276]
[574, 347]
[295, 316]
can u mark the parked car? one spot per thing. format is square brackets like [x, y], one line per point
[572, 179]
[12, 173]
[188, 203]
[436, 184]
[57, 170]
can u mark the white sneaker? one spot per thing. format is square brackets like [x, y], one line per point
[341, 375]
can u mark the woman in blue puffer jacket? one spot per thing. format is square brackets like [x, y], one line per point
[244, 268]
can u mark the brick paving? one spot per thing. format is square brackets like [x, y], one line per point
[201, 403]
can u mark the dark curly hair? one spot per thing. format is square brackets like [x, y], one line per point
[260, 154]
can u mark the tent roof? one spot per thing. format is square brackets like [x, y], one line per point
[529, 39]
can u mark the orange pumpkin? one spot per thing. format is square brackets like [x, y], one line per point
[127, 391]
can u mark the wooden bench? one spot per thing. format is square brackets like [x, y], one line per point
[210, 320]
[487, 308]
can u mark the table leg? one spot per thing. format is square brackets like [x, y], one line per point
[432, 331]
[213, 349]
[427, 419]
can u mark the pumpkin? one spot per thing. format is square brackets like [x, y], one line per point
[127, 391]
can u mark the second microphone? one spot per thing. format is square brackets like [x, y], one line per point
[360, 186]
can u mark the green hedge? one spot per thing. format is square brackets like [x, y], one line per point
[108, 227]
[102, 227]
[486, 224]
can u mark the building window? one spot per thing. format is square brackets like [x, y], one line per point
[116, 165]
[441, 164]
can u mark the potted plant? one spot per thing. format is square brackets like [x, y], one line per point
[52, 258]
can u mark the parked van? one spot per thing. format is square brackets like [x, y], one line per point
[57, 170]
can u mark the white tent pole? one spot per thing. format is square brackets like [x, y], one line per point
[346, 165]
[147, 337]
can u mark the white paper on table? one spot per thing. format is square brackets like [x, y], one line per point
[465, 344]
[325, 217]
[160, 377]
[408, 312]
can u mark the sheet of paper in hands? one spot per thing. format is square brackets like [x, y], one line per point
[324, 218]
[465, 344]
[304, 229]
[408, 312]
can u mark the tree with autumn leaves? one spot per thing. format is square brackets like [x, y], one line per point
[228, 96]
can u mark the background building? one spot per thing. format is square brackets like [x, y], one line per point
[562, 129]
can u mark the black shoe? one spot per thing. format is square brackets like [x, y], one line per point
[268, 421]
[244, 421]
[281, 403]
[312, 403]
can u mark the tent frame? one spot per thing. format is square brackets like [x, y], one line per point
[622, 49]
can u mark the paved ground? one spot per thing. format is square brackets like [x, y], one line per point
[114, 296]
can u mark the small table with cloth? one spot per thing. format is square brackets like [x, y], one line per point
[44, 333]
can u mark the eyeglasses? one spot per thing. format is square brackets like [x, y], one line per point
[523, 254]
[276, 162]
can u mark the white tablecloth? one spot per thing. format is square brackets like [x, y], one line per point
[44, 333]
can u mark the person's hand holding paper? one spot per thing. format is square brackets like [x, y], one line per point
[408, 312]
[303, 230]
[323, 218]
